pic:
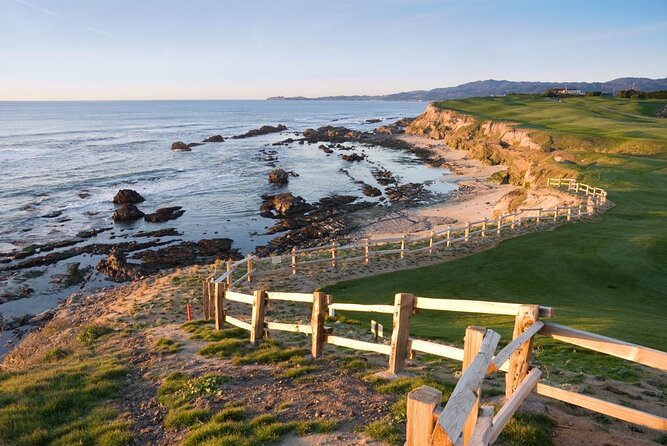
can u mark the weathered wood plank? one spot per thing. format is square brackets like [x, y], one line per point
[464, 396]
[257, 319]
[504, 354]
[433, 348]
[359, 345]
[518, 367]
[389, 309]
[237, 322]
[604, 407]
[471, 345]
[317, 323]
[293, 297]
[294, 328]
[484, 421]
[420, 423]
[403, 306]
[239, 297]
[603, 344]
[474, 306]
[510, 407]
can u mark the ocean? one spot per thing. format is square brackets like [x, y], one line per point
[62, 162]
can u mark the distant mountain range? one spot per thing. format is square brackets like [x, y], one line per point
[493, 87]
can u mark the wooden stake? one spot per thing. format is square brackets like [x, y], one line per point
[518, 368]
[257, 319]
[472, 343]
[499, 224]
[430, 243]
[294, 260]
[211, 299]
[188, 310]
[569, 213]
[513, 226]
[333, 254]
[420, 423]
[539, 214]
[204, 300]
[403, 306]
[467, 232]
[556, 213]
[484, 227]
[449, 236]
[229, 273]
[317, 323]
[219, 306]
[367, 258]
[249, 267]
[402, 245]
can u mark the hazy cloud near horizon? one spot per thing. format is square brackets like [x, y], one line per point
[124, 49]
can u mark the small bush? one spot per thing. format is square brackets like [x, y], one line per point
[90, 333]
[384, 430]
[182, 418]
[168, 345]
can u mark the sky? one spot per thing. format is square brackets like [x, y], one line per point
[219, 49]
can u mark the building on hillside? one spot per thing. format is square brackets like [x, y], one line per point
[567, 92]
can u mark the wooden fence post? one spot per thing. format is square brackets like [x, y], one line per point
[294, 260]
[569, 213]
[317, 323]
[539, 214]
[229, 273]
[249, 265]
[484, 227]
[402, 245]
[403, 306]
[499, 224]
[527, 316]
[430, 243]
[333, 254]
[219, 306]
[513, 226]
[556, 213]
[589, 206]
[367, 258]
[420, 420]
[466, 233]
[471, 345]
[257, 319]
[204, 299]
[211, 299]
[449, 236]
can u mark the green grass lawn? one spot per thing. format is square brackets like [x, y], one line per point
[608, 276]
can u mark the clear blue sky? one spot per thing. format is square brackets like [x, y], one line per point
[138, 49]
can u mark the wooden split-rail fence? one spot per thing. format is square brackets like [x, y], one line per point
[461, 421]
[367, 249]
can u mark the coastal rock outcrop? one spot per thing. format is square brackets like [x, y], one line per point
[215, 138]
[128, 196]
[278, 176]
[128, 212]
[180, 146]
[263, 130]
[371, 191]
[165, 214]
[284, 204]
[353, 157]
[115, 266]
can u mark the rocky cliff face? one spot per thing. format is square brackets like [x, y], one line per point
[526, 153]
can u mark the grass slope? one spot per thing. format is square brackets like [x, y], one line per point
[608, 276]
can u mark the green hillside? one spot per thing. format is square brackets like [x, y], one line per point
[608, 276]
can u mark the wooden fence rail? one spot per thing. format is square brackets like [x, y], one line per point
[365, 250]
[461, 421]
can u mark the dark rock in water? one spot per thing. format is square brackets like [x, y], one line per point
[116, 267]
[332, 134]
[403, 122]
[215, 138]
[410, 192]
[128, 196]
[53, 214]
[128, 212]
[84, 194]
[263, 130]
[187, 253]
[278, 176]
[384, 176]
[285, 204]
[335, 201]
[373, 121]
[195, 144]
[371, 191]
[165, 214]
[92, 232]
[284, 142]
[353, 157]
[214, 247]
[325, 149]
[166, 232]
[180, 146]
